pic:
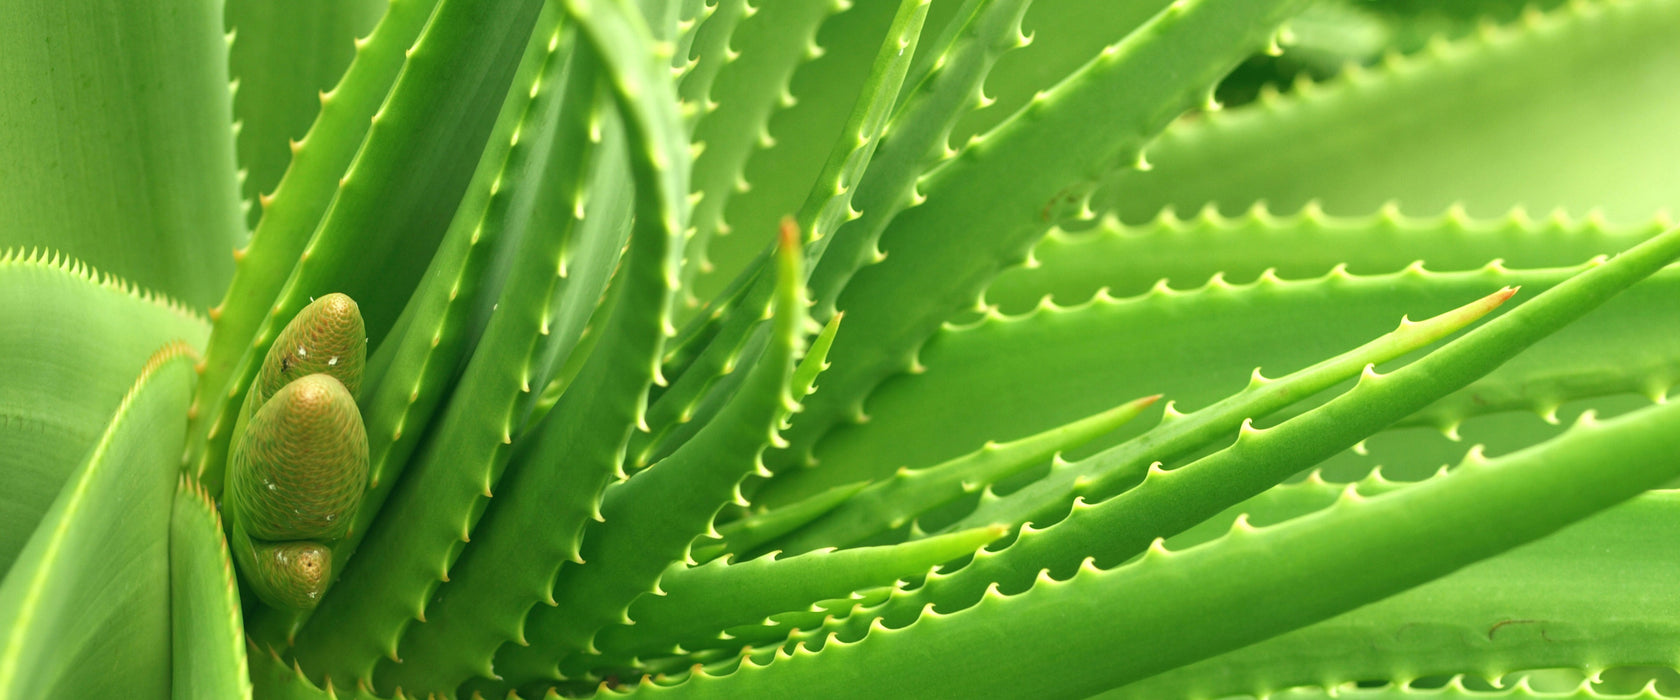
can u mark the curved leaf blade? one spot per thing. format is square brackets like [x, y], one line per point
[208, 631]
[88, 335]
[86, 607]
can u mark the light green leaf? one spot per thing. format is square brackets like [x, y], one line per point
[1136, 620]
[85, 609]
[392, 205]
[118, 141]
[208, 630]
[1582, 595]
[88, 335]
[980, 215]
[283, 57]
[1574, 120]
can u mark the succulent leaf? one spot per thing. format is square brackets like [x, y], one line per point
[208, 654]
[1458, 689]
[389, 209]
[1578, 594]
[88, 335]
[1262, 458]
[878, 300]
[282, 58]
[1075, 353]
[302, 197]
[1444, 133]
[695, 602]
[826, 207]
[286, 681]
[68, 631]
[889, 504]
[148, 190]
[1127, 260]
[649, 520]
[747, 533]
[1122, 467]
[919, 132]
[734, 100]
[1420, 531]
[450, 478]
[1058, 38]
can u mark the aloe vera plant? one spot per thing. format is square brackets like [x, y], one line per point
[807, 349]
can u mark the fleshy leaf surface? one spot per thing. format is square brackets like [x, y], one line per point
[85, 608]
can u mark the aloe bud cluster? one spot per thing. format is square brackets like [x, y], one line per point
[300, 462]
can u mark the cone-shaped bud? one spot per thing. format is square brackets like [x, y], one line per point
[326, 337]
[301, 466]
[287, 575]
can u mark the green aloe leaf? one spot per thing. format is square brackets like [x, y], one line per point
[694, 602]
[1293, 574]
[824, 210]
[206, 626]
[650, 519]
[122, 159]
[282, 59]
[1578, 594]
[1126, 260]
[89, 335]
[965, 396]
[450, 477]
[732, 103]
[283, 681]
[878, 301]
[920, 128]
[85, 607]
[387, 206]
[1456, 689]
[892, 503]
[1444, 132]
[747, 533]
[1064, 36]
[1167, 502]
[289, 216]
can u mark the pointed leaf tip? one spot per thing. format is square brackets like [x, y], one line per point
[788, 236]
[1445, 324]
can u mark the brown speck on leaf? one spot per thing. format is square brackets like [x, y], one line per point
[1503, 623]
